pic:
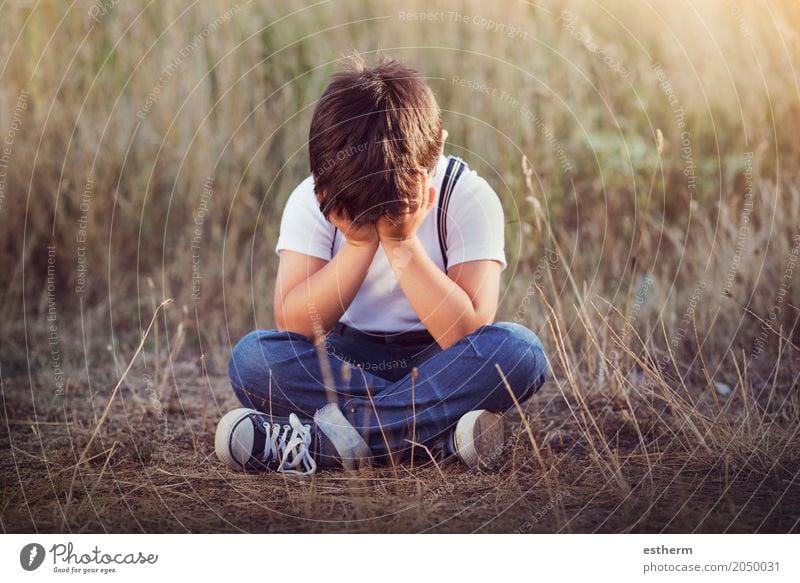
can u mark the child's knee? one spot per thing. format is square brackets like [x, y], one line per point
[239, 361]
[522, 333]
[253, 357]
[521, 357]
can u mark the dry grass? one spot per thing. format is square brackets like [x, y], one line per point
[654, 291]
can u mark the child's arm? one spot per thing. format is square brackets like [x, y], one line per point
[453, 305]
[311, 294]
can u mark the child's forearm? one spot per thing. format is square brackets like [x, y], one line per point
[441, 304]
[316, 304]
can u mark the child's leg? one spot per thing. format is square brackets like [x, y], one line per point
[448, 385]
[280, 373]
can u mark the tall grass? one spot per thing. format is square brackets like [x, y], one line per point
[645, 153]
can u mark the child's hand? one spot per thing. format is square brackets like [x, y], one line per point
[410, 223]
[359, 236]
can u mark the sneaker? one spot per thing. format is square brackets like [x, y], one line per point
[478, 438]
[248, 440]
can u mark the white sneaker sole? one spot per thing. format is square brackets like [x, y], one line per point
[479, 437]
[233, 441]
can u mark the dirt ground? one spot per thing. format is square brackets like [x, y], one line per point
[152, 468]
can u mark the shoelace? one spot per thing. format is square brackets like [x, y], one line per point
[290, 445]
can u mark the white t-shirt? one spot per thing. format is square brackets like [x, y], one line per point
[474, 231]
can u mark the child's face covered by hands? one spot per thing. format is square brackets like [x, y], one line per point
[359, 235]
[406, 227]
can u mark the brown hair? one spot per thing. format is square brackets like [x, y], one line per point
[374, 130]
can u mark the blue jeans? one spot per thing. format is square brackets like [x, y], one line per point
[392, 388]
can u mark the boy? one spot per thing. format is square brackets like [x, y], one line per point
[387, 287]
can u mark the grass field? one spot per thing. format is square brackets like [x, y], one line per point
[646, 155]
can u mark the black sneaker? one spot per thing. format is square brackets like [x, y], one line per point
[251, 441]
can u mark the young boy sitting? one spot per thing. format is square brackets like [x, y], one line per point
[388, 284]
